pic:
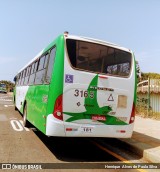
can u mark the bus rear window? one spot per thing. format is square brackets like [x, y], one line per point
[98, 58]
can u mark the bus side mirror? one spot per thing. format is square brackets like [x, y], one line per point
[15, 79]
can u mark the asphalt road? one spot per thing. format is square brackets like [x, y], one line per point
[23, 145]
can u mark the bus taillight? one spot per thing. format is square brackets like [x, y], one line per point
[132, 118]
[57, 113]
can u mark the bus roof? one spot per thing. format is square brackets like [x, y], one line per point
[99, 42]
[77, 38]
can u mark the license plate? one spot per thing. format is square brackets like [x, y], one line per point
[87, 129]
[98, 117]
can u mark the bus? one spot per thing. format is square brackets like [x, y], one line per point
[3, 88]
[79, 87]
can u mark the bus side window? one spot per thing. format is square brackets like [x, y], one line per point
[27, 75]
[17, 82]
[46, 61]
[24, 74]
[50, 65]
[36, 66]
[41, 63]
[16, 79]
[39, 79]
[32, 75]
[21, 78]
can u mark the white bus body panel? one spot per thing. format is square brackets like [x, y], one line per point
[56, 127]
[122, 90]
[21, 92]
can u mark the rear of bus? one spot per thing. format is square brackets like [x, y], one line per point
[99, 91]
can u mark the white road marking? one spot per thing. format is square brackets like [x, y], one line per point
[12, 118]
[8, 105]
[5, 97]
[23, 126]
[17, 125]
[6, 100]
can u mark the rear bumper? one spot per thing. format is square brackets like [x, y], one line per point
[55, 127]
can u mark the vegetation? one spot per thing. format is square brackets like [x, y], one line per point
[142, 107]
[138, 71]
[143, 110]
[9, 85]
[145, 76]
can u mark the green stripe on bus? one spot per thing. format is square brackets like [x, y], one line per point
[110, 120]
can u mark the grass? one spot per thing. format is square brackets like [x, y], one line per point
[145, 113]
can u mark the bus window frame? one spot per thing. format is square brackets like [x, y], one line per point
[49, 53]
[88, 71]
[41, 69]
[33, 64]
[33, 68]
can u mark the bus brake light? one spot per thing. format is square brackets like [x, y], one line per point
[57, 113]
[103, 77]
[132, 118]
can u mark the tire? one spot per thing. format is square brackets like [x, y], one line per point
[15, 108]
[15, 104]
[25, 122]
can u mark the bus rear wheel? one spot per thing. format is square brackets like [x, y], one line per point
[15, 108]
[15, 104]
[25, 122]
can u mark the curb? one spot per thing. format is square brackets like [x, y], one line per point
[148, 152]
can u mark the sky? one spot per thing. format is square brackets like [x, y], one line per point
[28, 26]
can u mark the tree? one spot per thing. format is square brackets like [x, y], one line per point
[138, 71]
[141, 76]
[145, 76]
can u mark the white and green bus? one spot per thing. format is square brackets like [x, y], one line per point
[79, 87]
